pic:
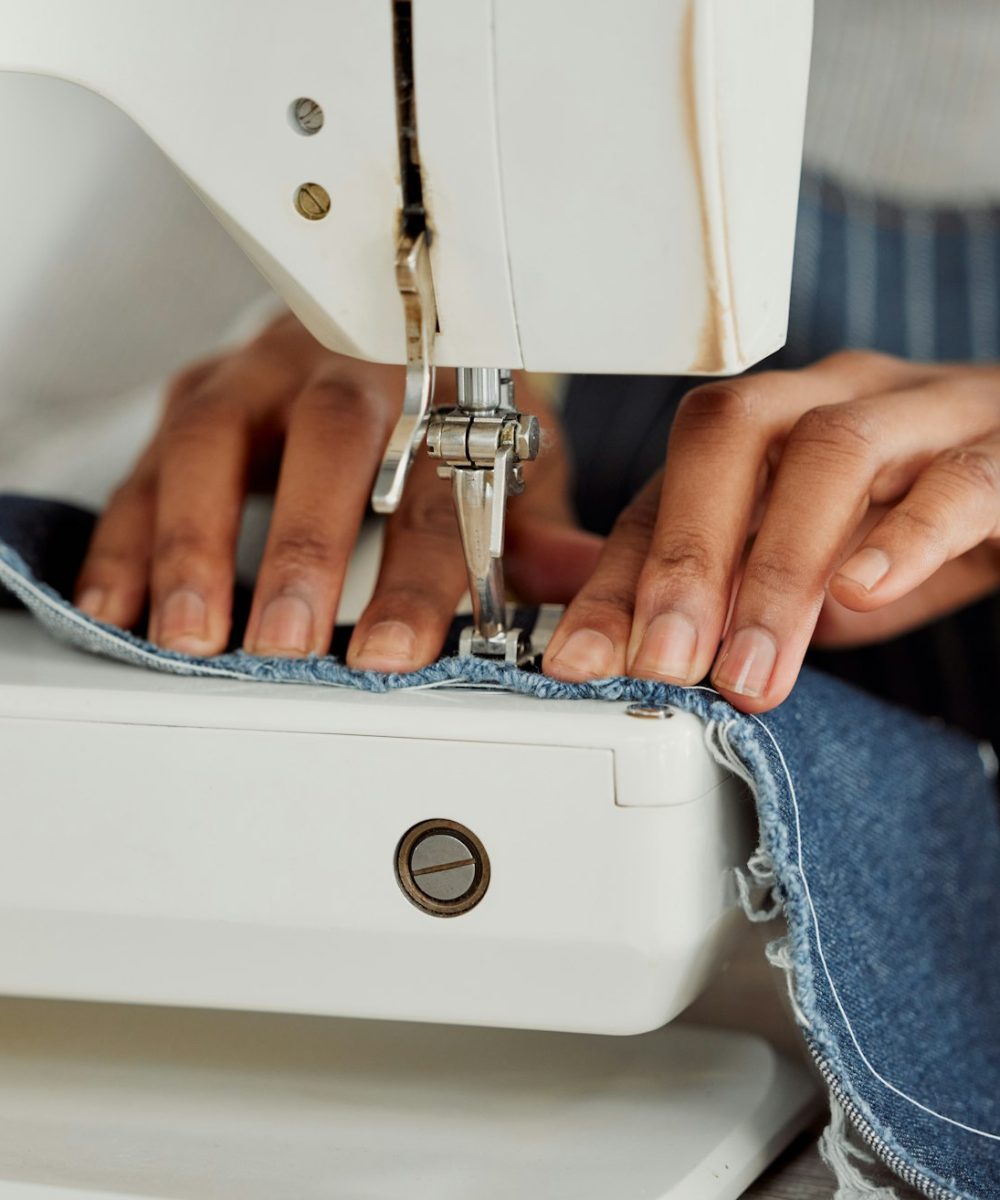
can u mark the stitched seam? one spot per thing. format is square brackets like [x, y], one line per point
[67, 612]
[800, 867]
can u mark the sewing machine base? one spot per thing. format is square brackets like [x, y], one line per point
[215, 843]
[108, 1102]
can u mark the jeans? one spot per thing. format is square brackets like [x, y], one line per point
[880, 843]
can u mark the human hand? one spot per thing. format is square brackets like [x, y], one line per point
[284, 408]
[843, 503]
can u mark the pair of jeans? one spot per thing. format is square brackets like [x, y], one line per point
[880, 843]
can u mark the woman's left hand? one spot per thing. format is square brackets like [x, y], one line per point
[843, 503]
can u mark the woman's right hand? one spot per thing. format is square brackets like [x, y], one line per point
[284, 408]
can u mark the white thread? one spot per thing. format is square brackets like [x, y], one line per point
[779, 954]
[838, 1152]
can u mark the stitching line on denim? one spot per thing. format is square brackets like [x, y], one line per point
[833, 987]
[67, 612]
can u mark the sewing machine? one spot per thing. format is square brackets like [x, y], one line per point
[478, 184]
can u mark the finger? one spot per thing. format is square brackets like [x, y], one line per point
[202, 471]
[717, 470]
[337, 431]
[113, 580]
[591, 639]
[834, 460]
[953, 506]
[420, 582]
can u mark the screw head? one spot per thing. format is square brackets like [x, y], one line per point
[649, 712]
[442, 867]
[528, 438]
[313, 201]
[307, 116]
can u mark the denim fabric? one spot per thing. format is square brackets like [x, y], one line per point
[880, 842]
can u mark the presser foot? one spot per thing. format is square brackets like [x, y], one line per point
[514, 645]
[481, 445]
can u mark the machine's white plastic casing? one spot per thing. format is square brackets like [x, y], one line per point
[610, 187]
[225, 844]
[105, 1102]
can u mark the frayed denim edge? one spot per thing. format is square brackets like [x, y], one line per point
[69, 625]
[731, 737]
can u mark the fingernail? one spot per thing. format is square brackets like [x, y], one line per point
[747, 665]
[667, 648]
[866, 568]
[586, 653]
[91, 601]
[388, 646]
[286, 628]
[182, 623]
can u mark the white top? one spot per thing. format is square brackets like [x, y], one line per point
[905, 98]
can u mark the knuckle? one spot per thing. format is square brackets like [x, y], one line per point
[688, 558]
[301, 549]
[837, 431]
[716, 404]
[603, 599]
[973, 467]
[341, 396]
[914, 520]
[406, 600]
[182, 541]
[773, 572]
[194, 416]
[109, 560]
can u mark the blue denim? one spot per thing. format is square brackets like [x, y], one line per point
[880, 843]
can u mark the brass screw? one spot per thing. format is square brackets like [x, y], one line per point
[442, 867]
[649, 712]
[307, 115]
[313, 201]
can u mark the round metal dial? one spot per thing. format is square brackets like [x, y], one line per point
[442, 867]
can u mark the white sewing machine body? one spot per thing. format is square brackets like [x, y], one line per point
[228, 844]
[606, 188]
[609, 188]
